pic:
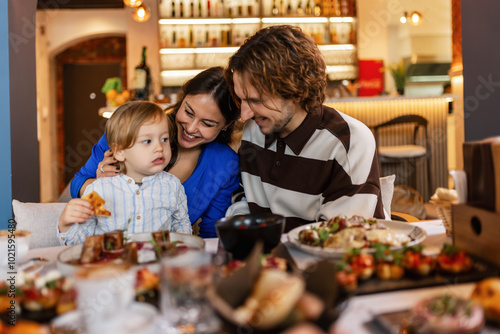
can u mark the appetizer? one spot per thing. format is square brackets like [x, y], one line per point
[452, 260]
[98, 203]
[45, 296]
[389, 265]
[362, 264]
[147, 286]
[345, 277]
[92, 248]
[487, 294]
[356, 232]
[417, 263]
[447, 314]
[42, 292]
[111, 247]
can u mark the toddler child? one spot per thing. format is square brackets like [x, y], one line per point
[143, 198]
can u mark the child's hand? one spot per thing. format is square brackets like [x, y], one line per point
[105, 167]
[77, 211]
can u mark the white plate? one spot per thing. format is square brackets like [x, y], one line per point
[138, 318]
[416, 233]
[74, 252]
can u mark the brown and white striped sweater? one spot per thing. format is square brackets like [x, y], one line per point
[326, 167]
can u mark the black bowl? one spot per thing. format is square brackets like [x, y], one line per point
[238, 234]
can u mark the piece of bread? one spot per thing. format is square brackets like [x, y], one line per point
[273, 297]
[487, 294]
[97, 202]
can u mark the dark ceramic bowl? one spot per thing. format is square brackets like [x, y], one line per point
[238, 234]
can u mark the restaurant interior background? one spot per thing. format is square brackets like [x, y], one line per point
[41, 41]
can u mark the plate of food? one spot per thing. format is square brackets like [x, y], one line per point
[335, 237]
[141, 249]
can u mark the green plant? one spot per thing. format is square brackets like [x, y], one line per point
[398, 72]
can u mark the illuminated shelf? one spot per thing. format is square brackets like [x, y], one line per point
[233, 49]
[178, 77]
[255, 20]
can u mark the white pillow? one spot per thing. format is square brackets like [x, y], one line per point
[40, 219]
[387, 189]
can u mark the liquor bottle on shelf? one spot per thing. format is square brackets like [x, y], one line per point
[300, 10]
[352, 8]
[174, 38]
[275, 10]
[191, 8]
[336, 8]
[308, 7]
[182, 39]
[344, 7]
[250, 7]
[240, 8]
[325, 4]
[208, 8]
[199, 38]
[200, 10]
[173, 8]
[142, 79]
[317, 8]
[181, 5]
[289, 8]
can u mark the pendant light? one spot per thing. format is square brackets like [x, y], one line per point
[141, 13]
[132, 3]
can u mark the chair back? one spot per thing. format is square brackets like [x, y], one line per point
[417, 120]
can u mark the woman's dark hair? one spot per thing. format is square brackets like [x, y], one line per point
[211, 81]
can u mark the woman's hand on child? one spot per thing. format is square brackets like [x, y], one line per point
[105, 167]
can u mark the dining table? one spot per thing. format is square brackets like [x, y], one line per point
[361, 310]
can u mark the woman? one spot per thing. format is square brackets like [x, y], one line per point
[207, 167]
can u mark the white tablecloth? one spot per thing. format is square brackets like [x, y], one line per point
[360, 309]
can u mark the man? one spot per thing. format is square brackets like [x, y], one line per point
[298, 157]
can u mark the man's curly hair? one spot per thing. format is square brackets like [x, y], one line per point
[282, 61]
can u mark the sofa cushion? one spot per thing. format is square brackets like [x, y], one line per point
[40, 219]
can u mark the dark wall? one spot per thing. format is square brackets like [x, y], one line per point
[24, 143]
[481, 55]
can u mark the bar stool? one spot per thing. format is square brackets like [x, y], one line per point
[409, 152]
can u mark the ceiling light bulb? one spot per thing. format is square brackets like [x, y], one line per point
[132, 3]
[416, 18]
[404, 17]
[141, 13]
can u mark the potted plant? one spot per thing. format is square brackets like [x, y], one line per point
[398, 72]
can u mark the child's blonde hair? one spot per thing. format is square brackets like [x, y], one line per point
[123, 126]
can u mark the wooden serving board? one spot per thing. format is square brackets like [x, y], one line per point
[479, 271]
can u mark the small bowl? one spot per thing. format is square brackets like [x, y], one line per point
[238, 234]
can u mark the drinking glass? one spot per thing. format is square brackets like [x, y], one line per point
[103, 294]
[184, 281]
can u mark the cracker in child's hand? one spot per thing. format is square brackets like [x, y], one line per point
[97, 202]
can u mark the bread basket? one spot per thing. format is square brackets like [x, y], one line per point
[443, 209]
